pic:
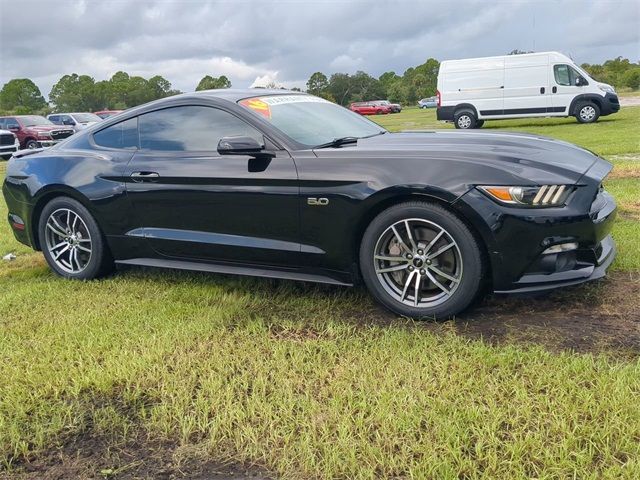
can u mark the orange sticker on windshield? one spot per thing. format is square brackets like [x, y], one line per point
[258, 106]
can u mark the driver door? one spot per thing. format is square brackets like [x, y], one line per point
[193, 203]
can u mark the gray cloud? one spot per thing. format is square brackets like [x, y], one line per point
[288, 40]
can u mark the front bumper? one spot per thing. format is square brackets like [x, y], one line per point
[48, 143]
[610, 104]
[8, 149]
[517, 240]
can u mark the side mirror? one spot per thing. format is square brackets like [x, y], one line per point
[241, 145]
[13, 128]
[580, 81]
[71, 123]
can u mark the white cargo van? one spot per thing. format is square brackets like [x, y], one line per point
[546, 84]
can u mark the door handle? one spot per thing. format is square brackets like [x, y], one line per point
[142, 176]
[554, 89]
[542, 90]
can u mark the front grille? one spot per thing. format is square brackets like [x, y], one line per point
[614, 99]
[60, 134]
[7, 139]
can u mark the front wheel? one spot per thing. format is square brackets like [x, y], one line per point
[32, 144]
[587, 112]
[72, 242]
[421, 261]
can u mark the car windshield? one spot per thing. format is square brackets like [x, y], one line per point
[86, 117]
[34, 120]
[309, 120]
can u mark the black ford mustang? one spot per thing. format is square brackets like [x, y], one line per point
[287, 185]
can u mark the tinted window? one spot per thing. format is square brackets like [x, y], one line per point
[120, 135]
[54, 118]
[190, 128]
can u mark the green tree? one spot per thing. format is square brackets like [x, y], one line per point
[631, 78]
[21, 93]
[209, 83]
[317, 84]
[75, 93]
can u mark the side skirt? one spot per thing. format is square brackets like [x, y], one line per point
[234, 270]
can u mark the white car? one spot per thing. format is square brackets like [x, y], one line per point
[9, 144]
[547, 84]
[79, 121]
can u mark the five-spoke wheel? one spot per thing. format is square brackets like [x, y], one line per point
[421, 261]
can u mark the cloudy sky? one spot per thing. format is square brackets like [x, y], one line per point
[285, 41]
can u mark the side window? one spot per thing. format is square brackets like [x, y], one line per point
[190, 129]
[562, 75]
[12, 123]
[121, 135]
[3, 124]
[55, 119]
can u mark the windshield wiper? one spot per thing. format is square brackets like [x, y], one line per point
[338, 142]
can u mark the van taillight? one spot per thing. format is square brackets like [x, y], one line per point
[438, 97]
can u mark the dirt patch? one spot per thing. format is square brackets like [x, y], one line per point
[89, 457]
[600, 317]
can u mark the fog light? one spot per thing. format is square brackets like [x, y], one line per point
[561, 247]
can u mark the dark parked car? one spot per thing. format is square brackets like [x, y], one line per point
[287, 185]
[34, 131]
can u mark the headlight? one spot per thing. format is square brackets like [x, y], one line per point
[44, 135]
[544, 196]
[606, 88]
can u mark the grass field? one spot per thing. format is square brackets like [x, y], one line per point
[311, 381]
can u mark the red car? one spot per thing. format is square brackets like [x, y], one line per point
[107, 113]
[34, 131]
[369, 108]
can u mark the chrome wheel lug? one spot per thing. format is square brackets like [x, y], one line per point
[411, 268]
[409, 256]
[420, 252]
[422, 272]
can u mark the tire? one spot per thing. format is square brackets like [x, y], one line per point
[31, 144]
[465, 120]
[393, 282]
[65, 252]
[587, 112]
[479, 123]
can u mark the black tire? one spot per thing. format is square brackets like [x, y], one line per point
[465, 119]
[31, 144]
[479, 123]
[99, 261]
[471, 266]
[587, 112]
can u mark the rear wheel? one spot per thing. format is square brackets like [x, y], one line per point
[465, 119]
[72, 242]
[587, 112]
[421, 261]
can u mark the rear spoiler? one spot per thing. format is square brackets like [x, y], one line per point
[27, 151]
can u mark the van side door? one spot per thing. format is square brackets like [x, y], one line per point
[526, 86]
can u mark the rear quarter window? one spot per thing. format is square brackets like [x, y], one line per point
[123, 135]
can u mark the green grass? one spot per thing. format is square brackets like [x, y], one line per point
[304, 380]
[612, 135]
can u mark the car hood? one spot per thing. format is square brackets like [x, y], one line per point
[525, 156]
[47, 128]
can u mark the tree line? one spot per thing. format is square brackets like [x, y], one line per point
[78, 93]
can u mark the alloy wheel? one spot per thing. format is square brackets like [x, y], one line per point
[68, 240]
[418, 262]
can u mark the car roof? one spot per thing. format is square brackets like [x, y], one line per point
[235, 94]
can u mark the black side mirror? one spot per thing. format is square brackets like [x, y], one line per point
[580, 81]
[13, 128]
[241, 145]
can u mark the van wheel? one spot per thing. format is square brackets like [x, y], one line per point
[464, 120]
[587, 112]
[479, 123]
